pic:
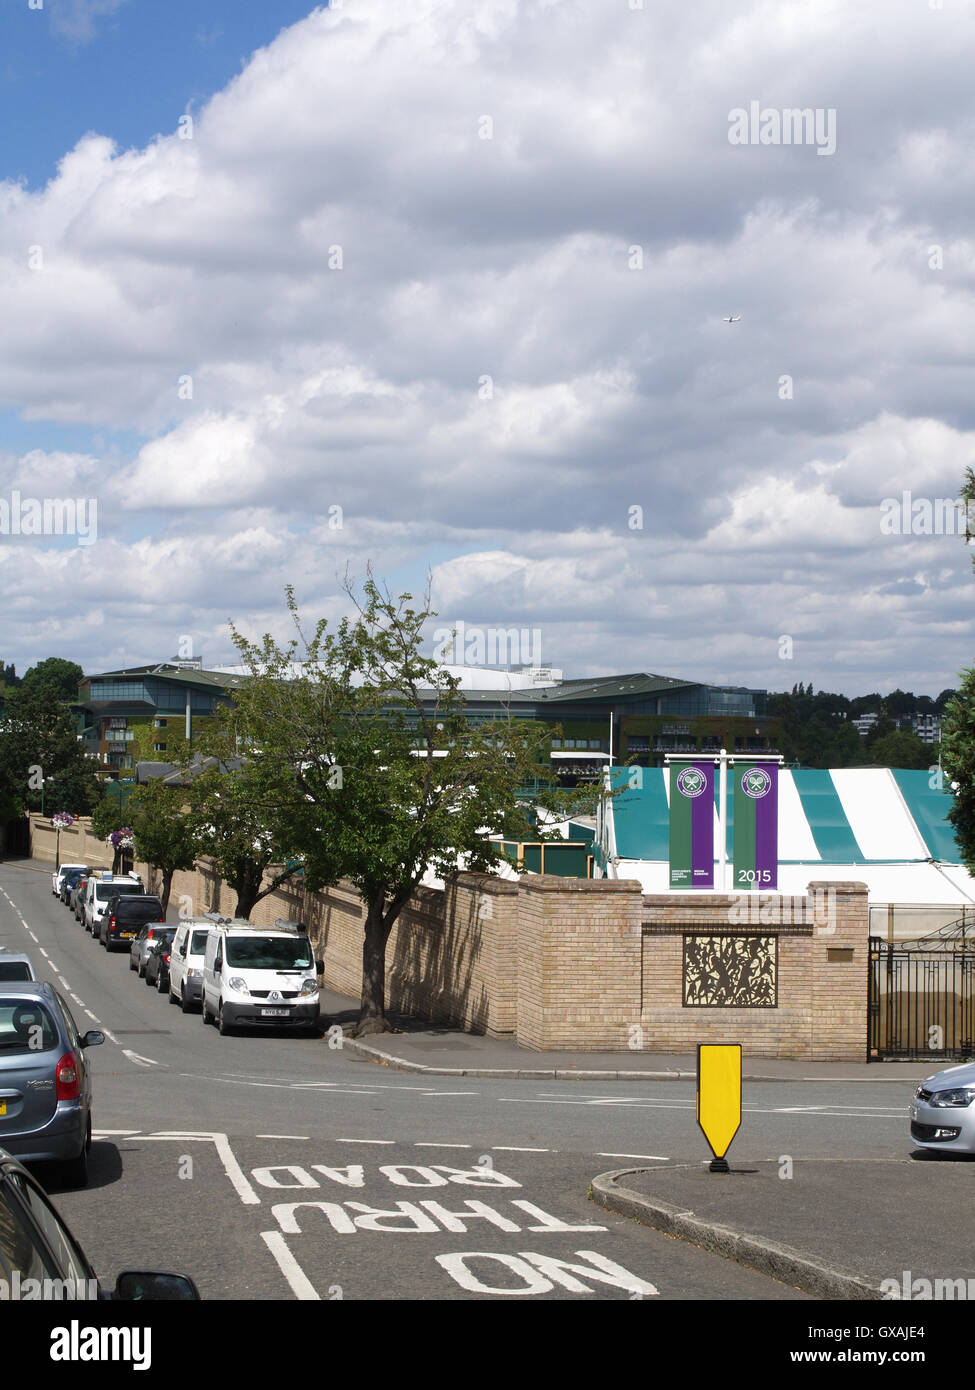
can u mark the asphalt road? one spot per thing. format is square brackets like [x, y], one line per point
[278, 1167]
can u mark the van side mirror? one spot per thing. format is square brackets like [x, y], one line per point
[320, 967]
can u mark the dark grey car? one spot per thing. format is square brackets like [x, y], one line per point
[45, 1087]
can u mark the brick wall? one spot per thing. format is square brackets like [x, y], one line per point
[575, 964]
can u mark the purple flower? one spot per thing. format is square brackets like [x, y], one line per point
[62, 820]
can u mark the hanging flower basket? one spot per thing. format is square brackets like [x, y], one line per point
[62, 820]
[122, 839]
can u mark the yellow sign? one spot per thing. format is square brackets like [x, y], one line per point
[719, 1094]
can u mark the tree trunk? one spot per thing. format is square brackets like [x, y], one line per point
[248, 892]
[167, 883]
[372, 1013]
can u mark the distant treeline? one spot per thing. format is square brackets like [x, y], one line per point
[818, 729]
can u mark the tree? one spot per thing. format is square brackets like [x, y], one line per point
[39, 751]
[165, 837]
[900, 749]
[55, 674]
[385, 777]
[958, 763]
[238, 815]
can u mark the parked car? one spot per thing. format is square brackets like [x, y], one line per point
[58, 876]
[157, 965]
[35, 1243]
[45, 1088]
[259, 976]
[69, 880]
[15, 965]
[100, 890]
[186, 962]
[76, 898]
[124, 917]
[149, 933]
[943, 1111]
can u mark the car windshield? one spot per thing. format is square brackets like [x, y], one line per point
[198, 943]
[104, 891]
[25, 1027]
[268, 952]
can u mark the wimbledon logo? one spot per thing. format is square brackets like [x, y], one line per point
[756, 783]
[691, 782]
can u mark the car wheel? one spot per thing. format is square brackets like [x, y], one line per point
[145, 976]
[223, 1027]
[141, 971]
[131, 962]
[75, 1173]
[160, 986]
[204, 1013]
[184, 1003]
[172, 996]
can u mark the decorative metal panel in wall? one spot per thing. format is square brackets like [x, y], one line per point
[730, 971]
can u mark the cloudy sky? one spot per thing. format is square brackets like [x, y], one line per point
[442, 287]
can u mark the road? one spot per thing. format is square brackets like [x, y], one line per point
[278, 1167]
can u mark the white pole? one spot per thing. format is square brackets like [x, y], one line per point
[611, 738]
[723, 821]
[187, 715]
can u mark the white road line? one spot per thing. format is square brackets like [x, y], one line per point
[365, 1141]
[45, 954]
[299, 1283]
[451, 1093]
[234, 1172]
[512, 1149]
[282, 1136]
[134, 1057]
[114, 1133]
[431, 1145]
[31, 934]
[661, 1157]
[62, 981]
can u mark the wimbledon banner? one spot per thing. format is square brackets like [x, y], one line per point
[692, 825]
[756, 812]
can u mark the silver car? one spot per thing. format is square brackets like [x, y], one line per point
[45, 1088]
[943, 1111]
[15, 965]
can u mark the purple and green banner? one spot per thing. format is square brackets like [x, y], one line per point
[692, 825]
[756, 822]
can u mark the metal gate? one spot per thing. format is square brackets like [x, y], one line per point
[921, 1004]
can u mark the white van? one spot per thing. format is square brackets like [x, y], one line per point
[98, 890]
[259, 977]
[186, 957]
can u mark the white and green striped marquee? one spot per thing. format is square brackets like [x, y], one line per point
[882, 826]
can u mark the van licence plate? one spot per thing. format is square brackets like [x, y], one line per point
[275, 1013]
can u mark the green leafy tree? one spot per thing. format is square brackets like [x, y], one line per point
[900, 749]
[239, 819]
[55, 674]
[165, 836]
[386, 776]
[958, 763]
[40, 744]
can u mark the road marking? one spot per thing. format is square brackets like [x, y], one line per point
[44, 954]
[114, 1133]
[661, 1157]
[512, 1149]
[451, 1093]
[299, 1283]
[134, 1056]
[365, 1141]
[431, 1145]
[62, 981]
[282, 1136]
